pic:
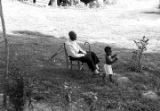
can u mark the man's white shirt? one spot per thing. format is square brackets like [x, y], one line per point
[73, 49]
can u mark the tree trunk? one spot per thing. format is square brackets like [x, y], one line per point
[51, 2]
[34, 1]
[6, 55]
[71, 2]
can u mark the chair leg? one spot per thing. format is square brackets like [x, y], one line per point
[71, 64]
[67, 63]
[78, 65]
[81, 67]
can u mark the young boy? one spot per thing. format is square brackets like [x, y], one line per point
[110, 59]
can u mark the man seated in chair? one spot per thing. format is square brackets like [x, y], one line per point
[75, 51]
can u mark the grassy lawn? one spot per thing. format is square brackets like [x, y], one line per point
[29, 51]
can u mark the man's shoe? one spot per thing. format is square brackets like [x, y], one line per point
[97, 67]
[96, 72]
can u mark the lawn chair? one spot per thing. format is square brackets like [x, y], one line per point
[70, 60]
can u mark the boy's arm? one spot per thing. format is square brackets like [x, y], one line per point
[110, 60]
[113, 56]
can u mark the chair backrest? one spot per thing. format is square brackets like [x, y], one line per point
[70, 58]
[66, 54]
[65, 50]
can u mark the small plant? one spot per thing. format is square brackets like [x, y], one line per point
[138, 53]
[90, 99]
[68, 92]
[67, 96]
[87, 102]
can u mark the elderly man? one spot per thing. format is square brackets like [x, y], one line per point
[74, 50]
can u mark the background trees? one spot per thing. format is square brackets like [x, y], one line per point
[34, 1]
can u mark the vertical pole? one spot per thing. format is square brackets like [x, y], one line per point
[6, 55]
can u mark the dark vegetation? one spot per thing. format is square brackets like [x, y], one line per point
[34, 1]
[64, 2]
[49, 82]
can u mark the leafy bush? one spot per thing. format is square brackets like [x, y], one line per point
[138, 53]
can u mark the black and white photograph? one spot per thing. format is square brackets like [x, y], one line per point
[80, 55]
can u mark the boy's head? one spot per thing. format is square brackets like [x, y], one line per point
[72, 35]
[108, 50]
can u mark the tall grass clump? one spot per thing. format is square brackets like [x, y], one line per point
[15, 90]
[19, 91]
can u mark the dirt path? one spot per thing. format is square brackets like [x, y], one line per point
[117, 24]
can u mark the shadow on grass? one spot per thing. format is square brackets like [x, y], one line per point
[32, 33]
[36, 34]
[43, 46]
[152, 12]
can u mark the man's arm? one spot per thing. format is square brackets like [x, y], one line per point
[80, 49]
[72, 52]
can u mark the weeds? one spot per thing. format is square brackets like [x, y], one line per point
[138, 53]
[86, 102]
[16, 89]
[20, 90]
[90, 99]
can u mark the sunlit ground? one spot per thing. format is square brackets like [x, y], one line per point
[118, 24]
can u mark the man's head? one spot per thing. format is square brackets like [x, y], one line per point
[72, 35]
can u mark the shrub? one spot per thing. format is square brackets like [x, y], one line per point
[138, 53]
